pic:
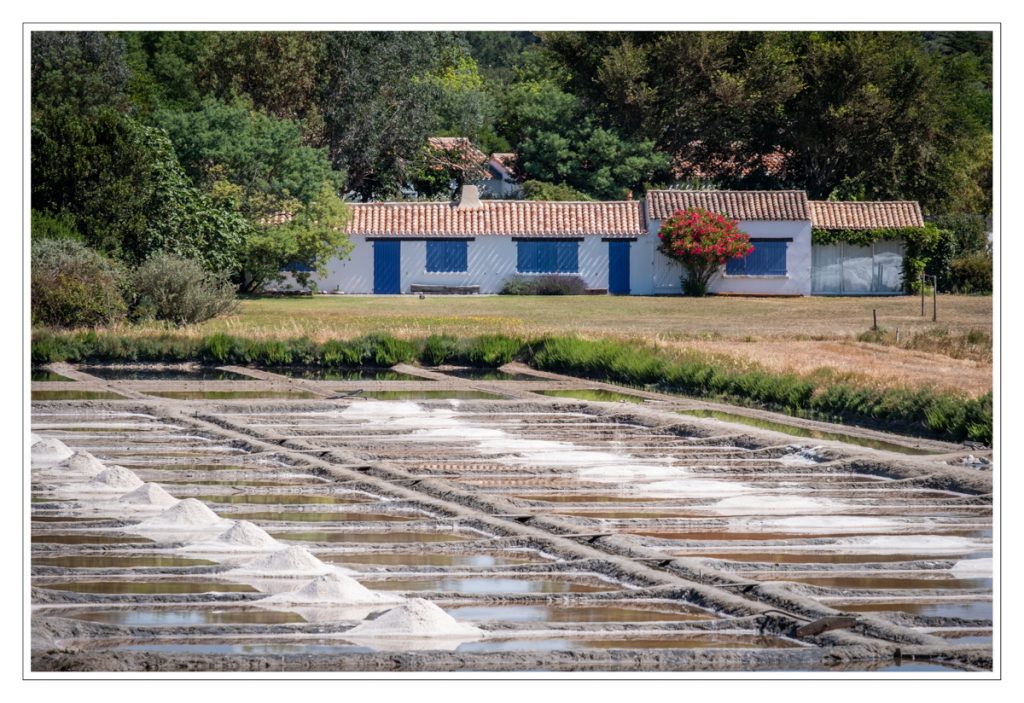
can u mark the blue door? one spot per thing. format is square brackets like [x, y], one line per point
[387, 267]
[618, 267]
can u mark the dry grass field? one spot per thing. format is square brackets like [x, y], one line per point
[799, 334]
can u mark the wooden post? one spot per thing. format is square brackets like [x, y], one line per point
[935, 298]
[897, 335]
[922, 294]
[874, 319]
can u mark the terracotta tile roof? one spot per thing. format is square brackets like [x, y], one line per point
[865, 215]
[738, 204]
[513, 218]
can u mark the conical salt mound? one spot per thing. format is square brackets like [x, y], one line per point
[414, 618]
[115, 479]
[245, 534]
[49, 449]
[82, 464]
[333, 589]
[291, 560]
[149, 494]
[184, 515]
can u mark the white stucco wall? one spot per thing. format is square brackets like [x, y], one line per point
[665, 274]
[490, 261]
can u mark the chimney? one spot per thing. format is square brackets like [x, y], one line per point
[468, 198]
[629, 196]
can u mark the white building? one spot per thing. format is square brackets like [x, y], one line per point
[475, 246]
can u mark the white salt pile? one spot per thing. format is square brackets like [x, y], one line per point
[188, 514]
[81, 464]
[243, 536]
[704, 488]
[331, 589]
[288, 561]
[46, 450]
[413, 619]
[116, 479]
[974, 567]
[150, 495]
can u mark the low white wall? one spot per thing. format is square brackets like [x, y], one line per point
[665, 274]
[491, 260]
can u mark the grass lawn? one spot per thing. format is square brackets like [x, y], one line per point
[800, 334]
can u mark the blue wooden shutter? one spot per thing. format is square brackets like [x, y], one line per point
[526, 257]
[567, 254]
[767, 259]
[446, 256]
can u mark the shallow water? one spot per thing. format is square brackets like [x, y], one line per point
[176, 617]
[47, 538]
[965, 611]
[430, 395]
[118, 562]
[310, 516]
[47, 375]
[562, 614]
[285, 498]
[173, 373]
[481, 374]
[75, 395]
[882, 582]
[479, 585]
[125, 587]
[456, 560]
[374, 537]
[597, 394]
[232, 395]
[356, 374]
[797, 431]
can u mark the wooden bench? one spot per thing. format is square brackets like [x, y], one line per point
[444, 290]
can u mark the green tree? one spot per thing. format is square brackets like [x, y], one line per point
[557, 142]
[378, 109]
[304, 244]
[129, 197]
[249, 161]
[80, 71]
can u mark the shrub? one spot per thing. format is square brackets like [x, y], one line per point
[74, 286]
[169, 287]
[971, 273]
[703, 242]
[438, 349]
[544, 285]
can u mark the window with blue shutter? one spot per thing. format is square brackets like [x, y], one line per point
[547, 256]
[767, 259]
[447, 256]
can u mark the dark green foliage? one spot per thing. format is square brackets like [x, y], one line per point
[539, 190]
[490, 350]
[177, 290]
[73, 286]
[79, 71]
[971, 273]
[129, 197]
[248, 161]
[969, 231]
[544, 285]
[876, 115]
[47, 225]
[377, 106]
[439, 349]
[557, 141]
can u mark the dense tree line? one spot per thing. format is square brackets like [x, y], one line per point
[195, 142]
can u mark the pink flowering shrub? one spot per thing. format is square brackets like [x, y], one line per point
[702, 242]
